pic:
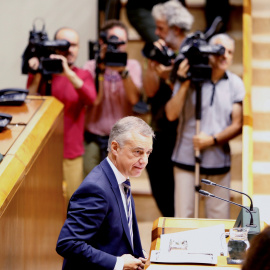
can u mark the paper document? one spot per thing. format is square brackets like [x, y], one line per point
[194, 246]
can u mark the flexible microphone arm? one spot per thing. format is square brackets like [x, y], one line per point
[208, 182]
[208, 194]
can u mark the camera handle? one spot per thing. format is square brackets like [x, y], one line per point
[198, 114]
[43, 24]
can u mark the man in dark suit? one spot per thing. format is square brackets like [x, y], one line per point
[101, 230]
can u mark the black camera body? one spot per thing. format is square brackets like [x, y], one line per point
[41, 47]
[113, 57]
[197, 50]
[165, 56]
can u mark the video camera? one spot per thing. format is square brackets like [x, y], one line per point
[41, 47]
[164, 56]
[113, 57]
[197, 50]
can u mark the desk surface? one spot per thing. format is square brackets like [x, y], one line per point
[21, 115]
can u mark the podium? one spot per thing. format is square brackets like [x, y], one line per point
[164, 225]
[32, 206]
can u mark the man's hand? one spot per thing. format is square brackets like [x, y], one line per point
[163, 71]
[66, 68]
[159, 44]
[202, 141]
[33, 63]
[131, 263]
[68, 72]
[183, 68]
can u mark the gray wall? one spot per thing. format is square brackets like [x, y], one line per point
[16, 21]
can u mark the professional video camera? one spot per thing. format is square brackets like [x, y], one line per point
[41, 47]
[113, 57]
[164, 56]
[197, 50]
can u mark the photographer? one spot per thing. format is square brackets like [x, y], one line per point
[119, 85]
[221, 121]
[75, 88]
[172, 23]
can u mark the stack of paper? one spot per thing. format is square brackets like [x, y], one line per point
[194, 246]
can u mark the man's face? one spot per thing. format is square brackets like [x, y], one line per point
[72, 37]
[132, 158]
[223, 62]
[122, 36]
[162, 29]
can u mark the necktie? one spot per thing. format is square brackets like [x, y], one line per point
[129, 209]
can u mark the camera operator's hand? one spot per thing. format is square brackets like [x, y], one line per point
[33, 63]
[163, 71]
[68, 72]
[183, 69]
[65, 65]
[202, 141]
[160, 44]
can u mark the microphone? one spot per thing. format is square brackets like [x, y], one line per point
[208, 194]
[208, 182]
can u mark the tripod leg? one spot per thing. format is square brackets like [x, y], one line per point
[197, 175]
[197, 152]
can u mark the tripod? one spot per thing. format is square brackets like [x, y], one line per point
[198, 114]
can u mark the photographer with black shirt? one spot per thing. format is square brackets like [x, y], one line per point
[172, 23]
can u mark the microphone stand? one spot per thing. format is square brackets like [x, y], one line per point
[208, 182]
[242, 219]
[208, 194]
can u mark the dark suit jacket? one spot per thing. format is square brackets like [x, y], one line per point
[96, 229]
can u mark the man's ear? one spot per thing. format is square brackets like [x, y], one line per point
[114, 147]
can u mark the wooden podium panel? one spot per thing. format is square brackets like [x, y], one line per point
[32, 206]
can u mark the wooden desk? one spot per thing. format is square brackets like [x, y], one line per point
[165, 225]
[32, 208]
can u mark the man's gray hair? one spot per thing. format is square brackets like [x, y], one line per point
[222, 37]
[122, 128]
[174, 13]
